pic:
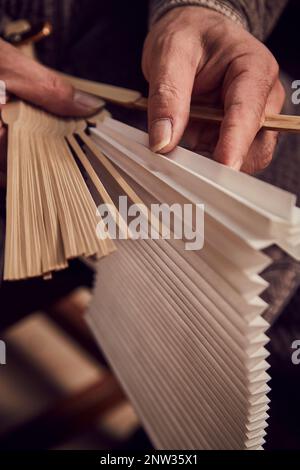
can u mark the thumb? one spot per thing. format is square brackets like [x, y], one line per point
[170, 88]
[33, 82]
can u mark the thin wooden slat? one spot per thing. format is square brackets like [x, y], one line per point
[111, 93]
[99, 186]
[272, 122]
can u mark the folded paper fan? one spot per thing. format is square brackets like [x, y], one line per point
[184, 330]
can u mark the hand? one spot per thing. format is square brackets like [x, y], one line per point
[193, 52]
[33, 82]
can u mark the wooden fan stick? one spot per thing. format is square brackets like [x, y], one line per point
[51, 214]
[123, 184]
[111, 169]
[98, 184]
[134, 99]
[273, 122]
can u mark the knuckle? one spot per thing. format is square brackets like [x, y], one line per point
[266, 58]
[146, 56]
[262, 68]
[266, 159]
[264, 162]
[268, 152]
[281, 92]
[269, 69]
[273, 66]
[231, 124]
[180, 46]
[167, 44]
[56, 87]
[170, 41]
[264, 84]
[239, 113]
[163, 92]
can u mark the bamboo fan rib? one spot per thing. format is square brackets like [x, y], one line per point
[51, 216]
[183, 330]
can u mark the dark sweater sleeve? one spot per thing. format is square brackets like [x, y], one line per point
[258, 16]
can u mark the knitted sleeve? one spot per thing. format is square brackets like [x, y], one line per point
[258, 16]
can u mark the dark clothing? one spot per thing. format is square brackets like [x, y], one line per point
[258, 16]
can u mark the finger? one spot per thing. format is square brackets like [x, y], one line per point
[264, 145]
[33, 82]
[3, 154]
[246, 94]
[171, 81]
[201, 136]
[261, 152]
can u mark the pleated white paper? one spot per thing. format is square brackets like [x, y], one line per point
[183, 330]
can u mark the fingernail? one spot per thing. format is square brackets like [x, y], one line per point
[87, 101]
[160, 134]
[237, 165]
